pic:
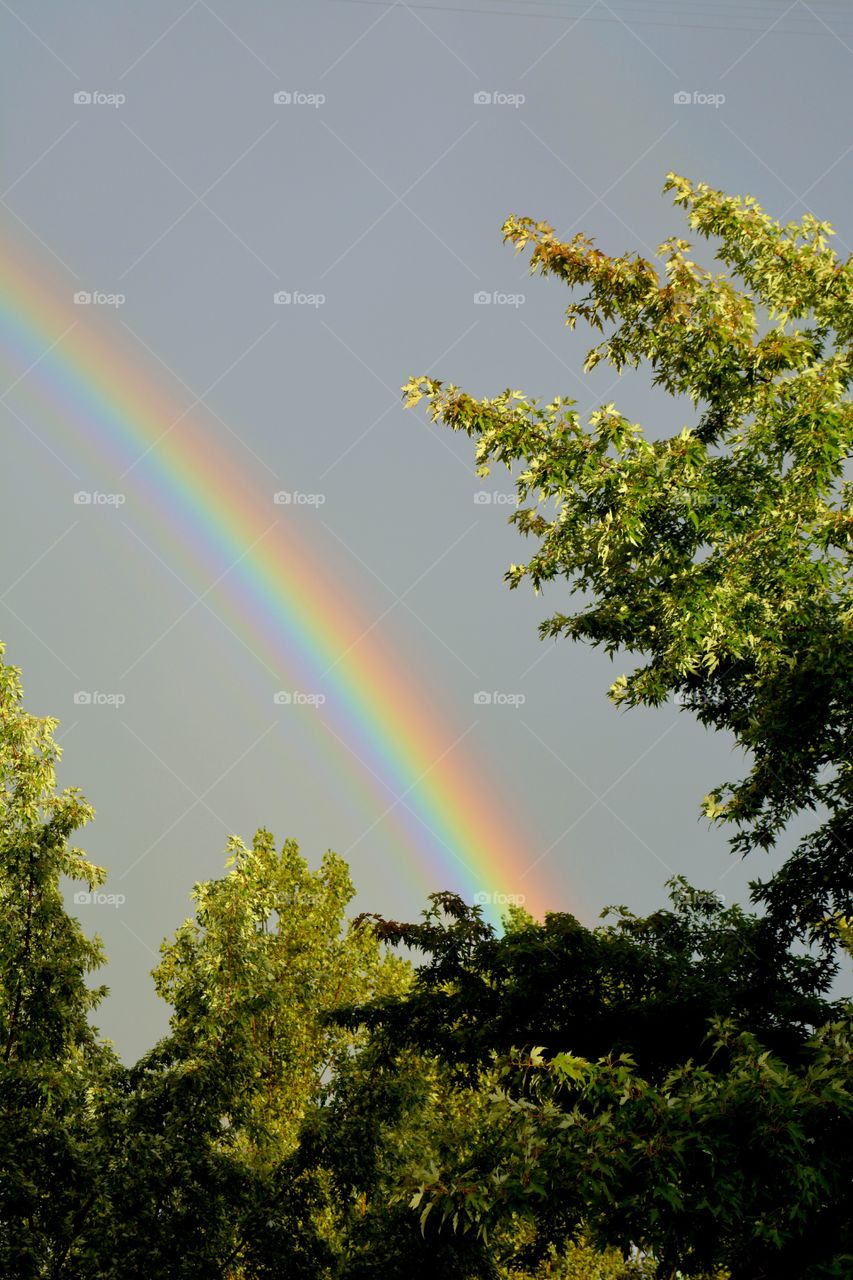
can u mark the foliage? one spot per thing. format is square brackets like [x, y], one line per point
[385, 1115]
[706, 1150]
[396, 1118]
[748, 1167]
[251, 976]
[645, 985]
[51, 1058]
[580, 1260]
[186, 1164]
[44, 956]
[206, 1156]
[230, 1149]
[721, 554]
[263, 1136]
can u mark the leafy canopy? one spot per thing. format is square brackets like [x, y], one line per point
[677, 1082]
[721, 554]
[648, 985]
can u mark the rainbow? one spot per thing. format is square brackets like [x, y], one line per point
[276, 592]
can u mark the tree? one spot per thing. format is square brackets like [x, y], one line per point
[44, 956]
[386, 1114]
[205, 1176]
[649, 986]
[402, 1112]
[702, 1112]
[187, 1163]
[51, 1061]
[264, 1135]
[720, 554]
[253, 976]
[747, 1167]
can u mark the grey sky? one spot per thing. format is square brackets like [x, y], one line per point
[387, 198]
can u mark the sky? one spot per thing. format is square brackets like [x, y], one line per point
[252, 587]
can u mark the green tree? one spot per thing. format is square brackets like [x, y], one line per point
[708, 1119]
[252, 977]
[51, 1060]
[44, 956]
[721, 554]
[206, 1176]
[265, 1135]
[748, 1167]
[387, 1115]
[187, 1163]
[395, 1116]
[648, 986]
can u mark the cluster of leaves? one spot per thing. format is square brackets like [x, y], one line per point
[645, 985]
[50, 1056]
[705, 1113]
[748, 1167]
[721, 554]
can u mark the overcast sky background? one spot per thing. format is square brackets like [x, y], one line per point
[387, 198]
